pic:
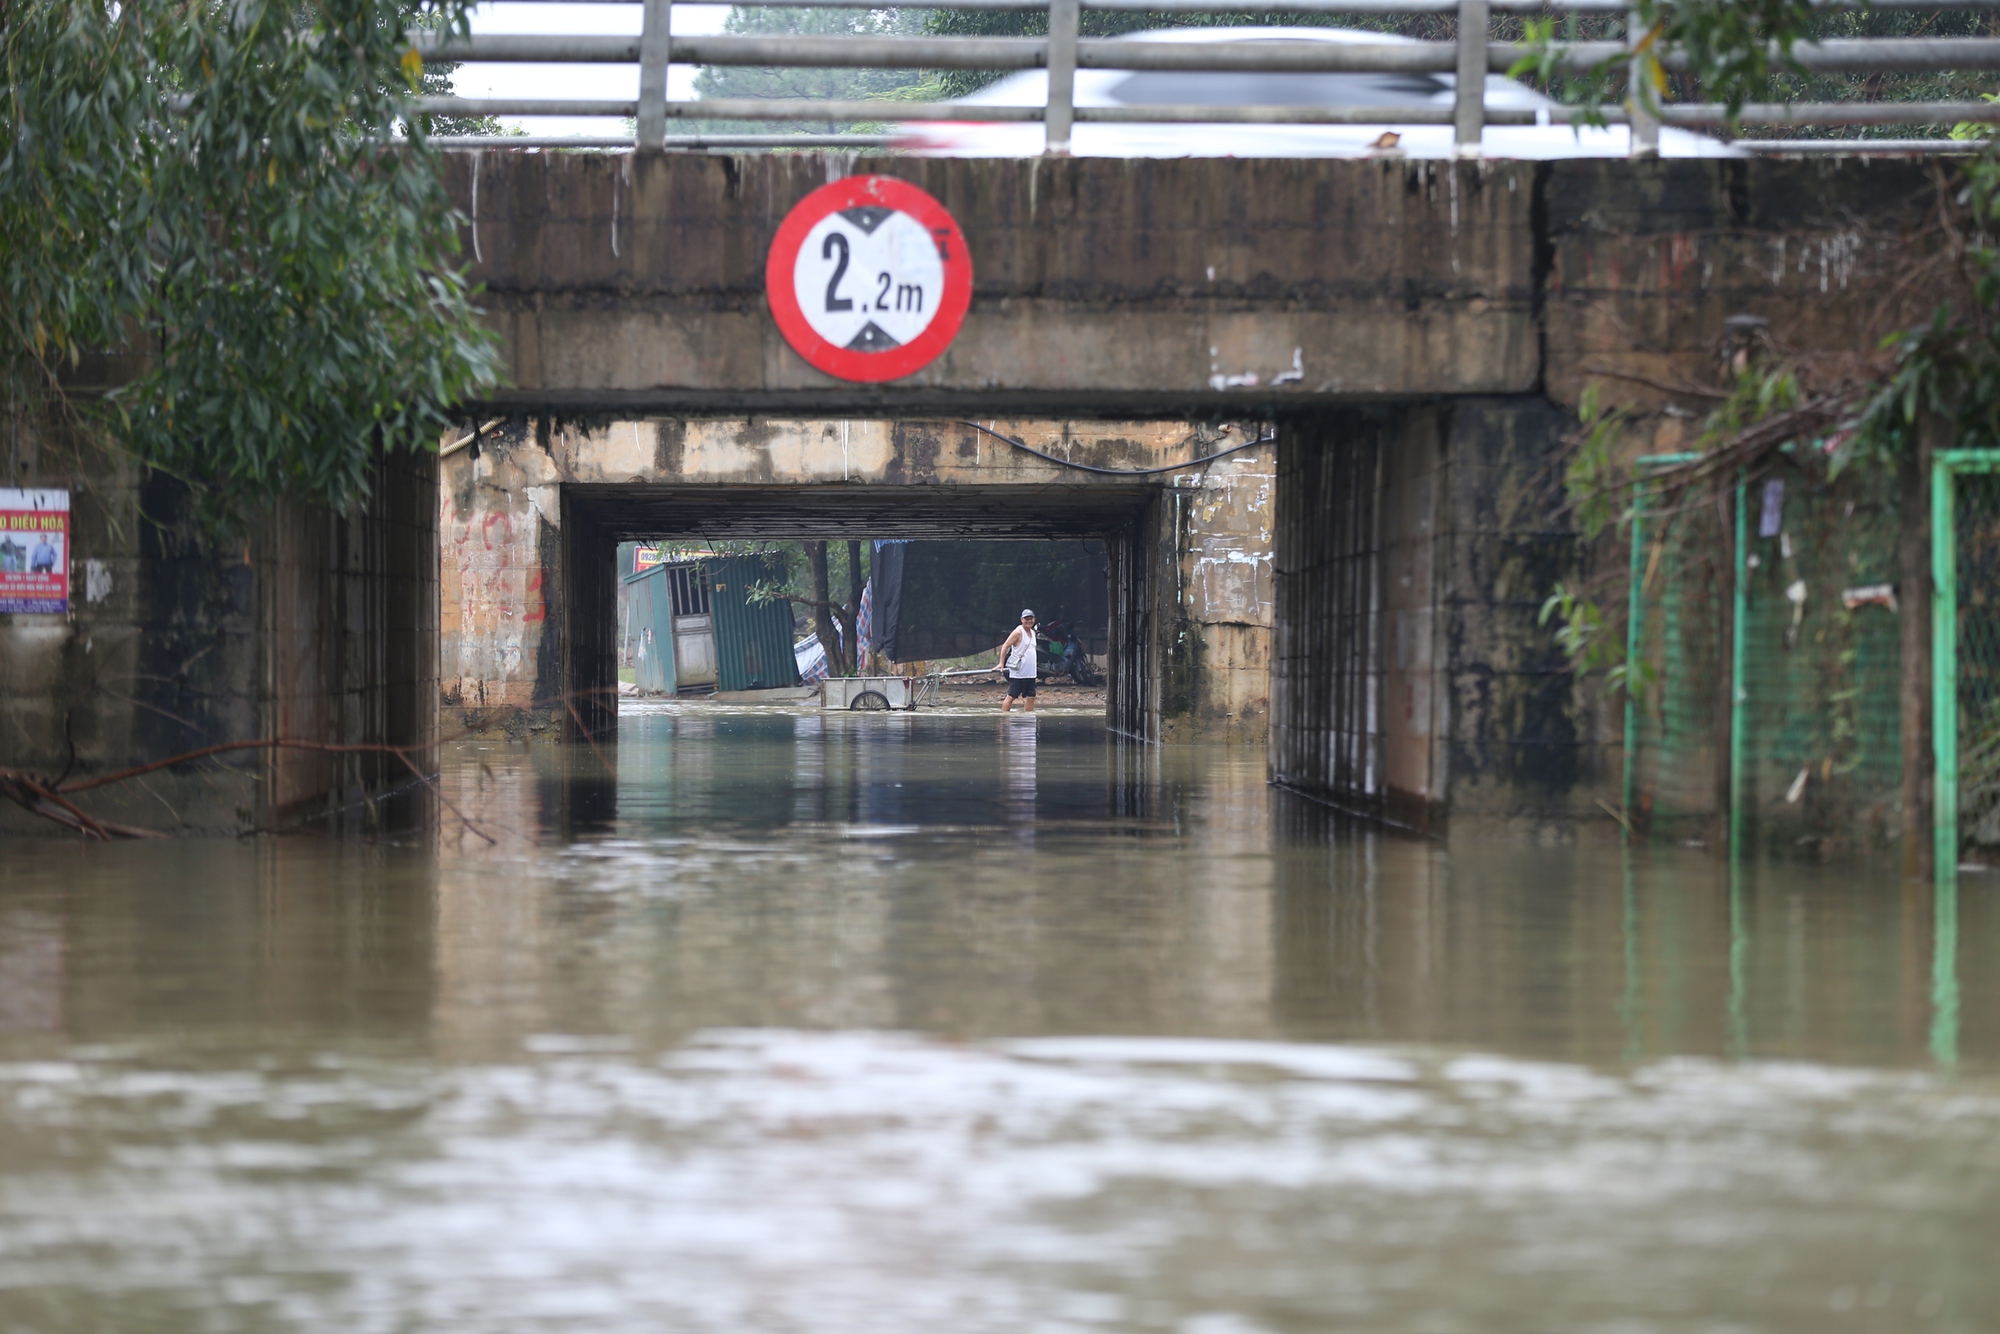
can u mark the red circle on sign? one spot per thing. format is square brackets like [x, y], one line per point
[850, 363]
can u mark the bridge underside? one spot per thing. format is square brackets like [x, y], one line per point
[1368, 582]
[628, 511]
[595, 518]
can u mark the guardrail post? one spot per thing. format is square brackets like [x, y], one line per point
[655, 49]
[1064, 16]
[1469, 115]
[1645, 140]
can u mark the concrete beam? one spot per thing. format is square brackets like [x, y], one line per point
[1163, 288]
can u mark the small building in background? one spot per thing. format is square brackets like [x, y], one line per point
[691, 629]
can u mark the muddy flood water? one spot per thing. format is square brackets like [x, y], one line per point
[951, 1023]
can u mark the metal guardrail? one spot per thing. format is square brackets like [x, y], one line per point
[1468, 58]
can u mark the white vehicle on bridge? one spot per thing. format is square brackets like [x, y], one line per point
[1103, 88]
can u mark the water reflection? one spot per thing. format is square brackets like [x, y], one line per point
[1944, 973]
[786, 1021]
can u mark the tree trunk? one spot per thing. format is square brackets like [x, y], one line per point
[850, 612]
[1913, 603]
[823, 611]
[823, 623]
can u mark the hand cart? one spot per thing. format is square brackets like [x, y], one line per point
[873, 694]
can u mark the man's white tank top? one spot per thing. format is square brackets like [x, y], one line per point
[1021, 658]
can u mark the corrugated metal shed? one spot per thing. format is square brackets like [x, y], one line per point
[651, 628]
[753, 644]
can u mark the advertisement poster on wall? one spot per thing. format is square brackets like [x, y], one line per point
[34, 551]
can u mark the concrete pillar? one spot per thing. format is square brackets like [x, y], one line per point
[1217, 618]
[500, 532]
[1326, 648]
[585, 624]
[1411, 677]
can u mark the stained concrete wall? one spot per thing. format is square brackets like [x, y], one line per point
[1643, 262]
[508, 555]
[1221, 629]
[314, 626]
[1415, 690]
[1160, 288]
[1412, 677]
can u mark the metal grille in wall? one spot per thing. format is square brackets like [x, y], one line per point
[1326, 668]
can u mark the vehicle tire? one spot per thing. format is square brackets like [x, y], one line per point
[870, 701]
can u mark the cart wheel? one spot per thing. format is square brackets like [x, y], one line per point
[873, 701]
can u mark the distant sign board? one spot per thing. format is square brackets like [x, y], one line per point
[645, 558]
[869, 278]
[34, 551]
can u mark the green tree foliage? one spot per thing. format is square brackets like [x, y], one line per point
[435, 81]
[1950, 366]
[747, 81]
[1739, 51]
[813, 84]
[223, 189]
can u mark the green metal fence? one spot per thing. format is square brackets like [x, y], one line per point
[1767, 607]
[1669, 756]
[1764, 607]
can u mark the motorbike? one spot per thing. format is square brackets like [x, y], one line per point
[1059, 652]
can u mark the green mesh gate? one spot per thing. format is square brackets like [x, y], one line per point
[1965, 630]
[1679, 595]
[1764, 607]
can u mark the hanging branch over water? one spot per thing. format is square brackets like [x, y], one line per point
[48, 798]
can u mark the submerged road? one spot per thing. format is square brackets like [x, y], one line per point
[961, 1023]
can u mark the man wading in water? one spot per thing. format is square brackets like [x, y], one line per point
[1017, 660]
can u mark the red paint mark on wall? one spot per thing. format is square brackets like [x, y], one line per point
[486, 528]
[534, 590]
[1680, 254]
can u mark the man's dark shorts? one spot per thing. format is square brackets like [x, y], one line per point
[1020, 687]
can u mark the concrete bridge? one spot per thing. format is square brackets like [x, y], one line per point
[1417, 333]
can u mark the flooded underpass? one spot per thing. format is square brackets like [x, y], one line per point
[770, 1019]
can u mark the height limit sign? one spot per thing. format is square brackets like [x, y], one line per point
[869, 278]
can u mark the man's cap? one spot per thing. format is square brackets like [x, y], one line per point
[1025, 613]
